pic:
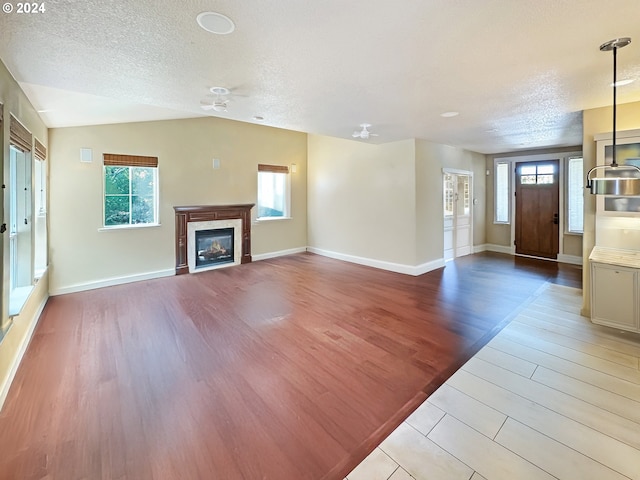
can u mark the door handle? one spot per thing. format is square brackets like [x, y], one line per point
[556, 219]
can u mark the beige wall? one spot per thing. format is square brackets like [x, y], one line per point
[384, 202]
[361, 198]
[431, 158]
[595, 121]
[500, 234]
[82, 254]
[19, 331]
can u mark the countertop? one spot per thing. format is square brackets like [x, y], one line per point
[615, 256]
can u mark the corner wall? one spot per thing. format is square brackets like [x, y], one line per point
[381, 205]
[84, 255]
[14, 343]
[595, 121]
[431, 158]
[361, 200]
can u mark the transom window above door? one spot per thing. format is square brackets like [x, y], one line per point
[540, 174]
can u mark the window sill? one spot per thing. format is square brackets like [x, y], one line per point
[271, 219]
[577, 234]
[129, 227]
[17, 298]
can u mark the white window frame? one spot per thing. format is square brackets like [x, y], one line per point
[568, 202]
[286, 215]
[156, 201]
[509, 165]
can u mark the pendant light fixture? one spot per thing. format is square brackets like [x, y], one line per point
[616, 179]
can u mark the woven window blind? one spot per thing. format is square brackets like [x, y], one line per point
[273, 168]
[19, 136]
[40, 150]
[112, 159]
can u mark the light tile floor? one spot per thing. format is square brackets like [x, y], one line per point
[552, 396]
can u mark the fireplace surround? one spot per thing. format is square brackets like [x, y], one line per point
[215, 216]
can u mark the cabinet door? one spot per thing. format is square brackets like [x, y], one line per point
[613, 296]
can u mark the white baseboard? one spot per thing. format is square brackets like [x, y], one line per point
[381, 264]
[427, 267]
[109, 282]
[279, 253]
[572, 259]
[490, 247]
[4, 389]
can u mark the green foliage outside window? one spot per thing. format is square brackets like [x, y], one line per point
[129, 195]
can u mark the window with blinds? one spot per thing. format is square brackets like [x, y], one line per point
[130, 190]
[273, 191]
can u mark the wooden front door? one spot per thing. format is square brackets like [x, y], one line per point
[537, 208]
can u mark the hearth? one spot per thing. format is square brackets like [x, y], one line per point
[214, 247]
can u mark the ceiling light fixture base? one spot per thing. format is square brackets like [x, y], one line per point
[216, 23]
[616, 43]
[219, 90]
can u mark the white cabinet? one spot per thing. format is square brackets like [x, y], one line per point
[614, 296]
[615, 288]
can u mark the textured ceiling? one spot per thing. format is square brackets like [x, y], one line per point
[518, 71]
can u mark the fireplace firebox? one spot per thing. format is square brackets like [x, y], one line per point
[214, 247]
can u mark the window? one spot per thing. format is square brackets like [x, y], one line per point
[20, 215]
[448, 195]
[501, 193]
[575, 195]
[537, 174]
[273, 191]
[130, 190]
[39, 209]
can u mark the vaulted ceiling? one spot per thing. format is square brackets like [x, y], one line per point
[519, 72]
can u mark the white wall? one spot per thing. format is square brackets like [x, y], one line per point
[431, 158]
[383, 202]
[361, 199]
[83, 256]
[19, 333]
[595, 121]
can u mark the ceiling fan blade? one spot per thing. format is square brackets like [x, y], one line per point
[206, 106]
[356, 134]
[373, 134]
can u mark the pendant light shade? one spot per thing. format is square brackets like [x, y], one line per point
[619, 180]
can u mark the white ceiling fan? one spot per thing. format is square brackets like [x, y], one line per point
[220, 103]
[364, 133]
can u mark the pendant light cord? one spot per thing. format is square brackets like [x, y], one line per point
[614, 163]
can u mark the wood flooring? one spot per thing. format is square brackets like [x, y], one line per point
[552, 396]
[288, 368]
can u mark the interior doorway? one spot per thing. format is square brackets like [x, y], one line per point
[537, 209]
[458, 218]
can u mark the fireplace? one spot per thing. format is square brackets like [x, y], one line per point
[213, 247]
[190, 220]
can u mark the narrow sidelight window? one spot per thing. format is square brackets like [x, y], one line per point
[575, 195]
[501, 194]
